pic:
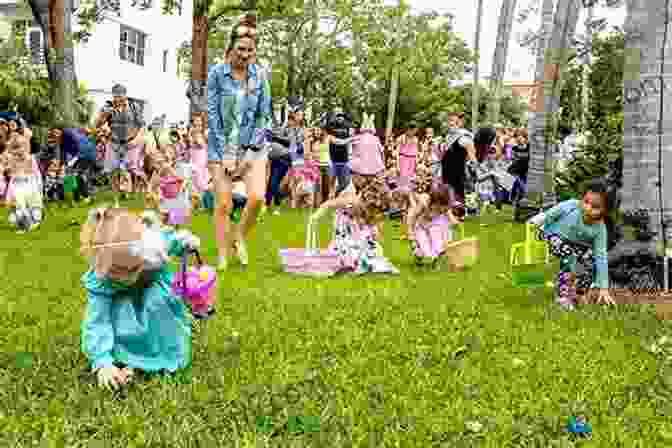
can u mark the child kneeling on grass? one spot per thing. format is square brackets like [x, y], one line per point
[572, 229]
[133, 320]
[359, 213]
[431, 222]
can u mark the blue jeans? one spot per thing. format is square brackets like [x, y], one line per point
[279, 169]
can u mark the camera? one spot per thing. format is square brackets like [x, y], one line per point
[338, 124]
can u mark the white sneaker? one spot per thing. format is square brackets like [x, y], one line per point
[241, 248]
[276, 212]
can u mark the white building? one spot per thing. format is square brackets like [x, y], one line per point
[137, 48]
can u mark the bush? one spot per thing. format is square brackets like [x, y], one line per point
[23, 88]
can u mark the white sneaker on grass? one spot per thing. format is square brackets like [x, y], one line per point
[241, 249]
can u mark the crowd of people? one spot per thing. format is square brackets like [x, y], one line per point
[238, 165]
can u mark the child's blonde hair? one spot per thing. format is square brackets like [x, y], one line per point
[106, 225]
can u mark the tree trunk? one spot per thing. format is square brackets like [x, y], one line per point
[291, 69]
[585, 85]
[55, 20]
[197, 93]
[541, 182]
[645, 189]
[475, 91]
[392, 103]
[499, 61]
[40, 10]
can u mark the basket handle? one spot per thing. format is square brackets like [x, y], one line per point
[311, 237]
[185, 261]
[529, 241]
[462, 232]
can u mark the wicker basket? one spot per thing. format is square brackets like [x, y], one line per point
[462, 253]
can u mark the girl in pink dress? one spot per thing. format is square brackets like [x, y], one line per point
[367, 157]
[136, 162]
[199, 156]
[408, 154]
[431, 220]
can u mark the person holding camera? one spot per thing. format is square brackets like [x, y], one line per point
[240, 118]
[338, 125]
[126, 124]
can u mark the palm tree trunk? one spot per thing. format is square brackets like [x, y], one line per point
[647, 136]
[475, 91]
[197, 93]
[585, 85]
[394, 92]
[499, 61]
[541, 191]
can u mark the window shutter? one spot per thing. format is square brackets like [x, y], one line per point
[35, 44]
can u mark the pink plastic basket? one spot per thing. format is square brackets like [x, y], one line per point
[177, 216]
[196, 285]
[170, 186]
[311, 261]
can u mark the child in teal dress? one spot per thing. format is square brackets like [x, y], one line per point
[133, 321]
[573, 229]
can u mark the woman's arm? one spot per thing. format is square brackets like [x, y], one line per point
[264, 113]
[98, 331]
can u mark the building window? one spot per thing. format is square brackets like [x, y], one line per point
[132, 45]
[141, 4]
[165, 61]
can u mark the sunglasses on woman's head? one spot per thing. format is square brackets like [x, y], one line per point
[246, 31]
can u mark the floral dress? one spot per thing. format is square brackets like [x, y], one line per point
[424, 177]
[357, 246]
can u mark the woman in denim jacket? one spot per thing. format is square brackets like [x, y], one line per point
[239, 121]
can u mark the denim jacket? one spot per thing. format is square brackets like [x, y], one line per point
[235, 115]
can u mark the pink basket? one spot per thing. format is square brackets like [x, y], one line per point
[322, 263]
[200, 287]
[170, 186]
[310, 261]
[177, 216]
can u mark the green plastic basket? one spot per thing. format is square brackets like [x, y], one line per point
[70, 184]
[529, 260]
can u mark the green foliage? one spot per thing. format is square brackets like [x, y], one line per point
[512, 112]
[23, 88]
[605, 115]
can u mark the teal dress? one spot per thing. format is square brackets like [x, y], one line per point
[144, 326]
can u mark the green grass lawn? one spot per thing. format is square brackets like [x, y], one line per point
[423, 359]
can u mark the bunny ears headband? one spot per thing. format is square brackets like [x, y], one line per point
[369, 122]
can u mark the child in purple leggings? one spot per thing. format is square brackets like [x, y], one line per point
[572, 228]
